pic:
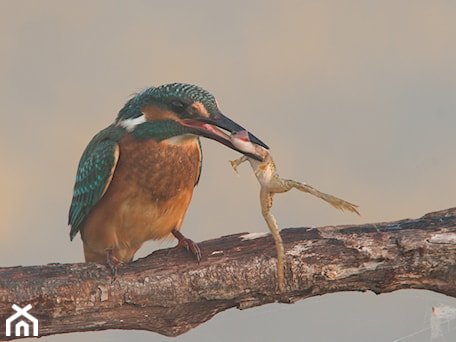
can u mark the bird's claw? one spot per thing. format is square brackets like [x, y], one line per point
[188, 244]
[112, 262]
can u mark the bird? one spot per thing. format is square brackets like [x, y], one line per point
[135, 179]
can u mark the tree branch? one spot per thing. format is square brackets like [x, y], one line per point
[169, 293]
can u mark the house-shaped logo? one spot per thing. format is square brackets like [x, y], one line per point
[22, 327]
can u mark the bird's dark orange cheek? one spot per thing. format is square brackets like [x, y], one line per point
[198, 109]
[154, 113]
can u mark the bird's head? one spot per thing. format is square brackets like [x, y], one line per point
[184, 109]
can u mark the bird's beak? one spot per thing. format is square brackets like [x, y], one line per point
[208, 127]
[226, 123]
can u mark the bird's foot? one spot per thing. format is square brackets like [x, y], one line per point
[113, 262]
[188, 244]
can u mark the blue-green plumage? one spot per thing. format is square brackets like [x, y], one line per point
[164, 96]
[94, 172]
[135, 178]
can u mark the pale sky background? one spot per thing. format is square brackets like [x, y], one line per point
[357, 98]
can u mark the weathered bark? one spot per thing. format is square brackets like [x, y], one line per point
[169, 293]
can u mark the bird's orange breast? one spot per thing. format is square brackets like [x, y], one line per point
[148, 197]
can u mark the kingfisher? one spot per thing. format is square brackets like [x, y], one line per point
[136, 177]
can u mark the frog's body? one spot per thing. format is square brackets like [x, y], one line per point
[270, 182]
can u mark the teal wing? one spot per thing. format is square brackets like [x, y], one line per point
[93, 177]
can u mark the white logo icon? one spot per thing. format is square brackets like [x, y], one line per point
[22, 325]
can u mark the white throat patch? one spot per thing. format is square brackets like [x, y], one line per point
[130, 124]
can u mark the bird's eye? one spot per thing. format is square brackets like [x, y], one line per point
[177, 106]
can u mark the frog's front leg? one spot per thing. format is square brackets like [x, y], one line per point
[237, 162]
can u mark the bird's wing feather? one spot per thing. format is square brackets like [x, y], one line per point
[93, 177]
